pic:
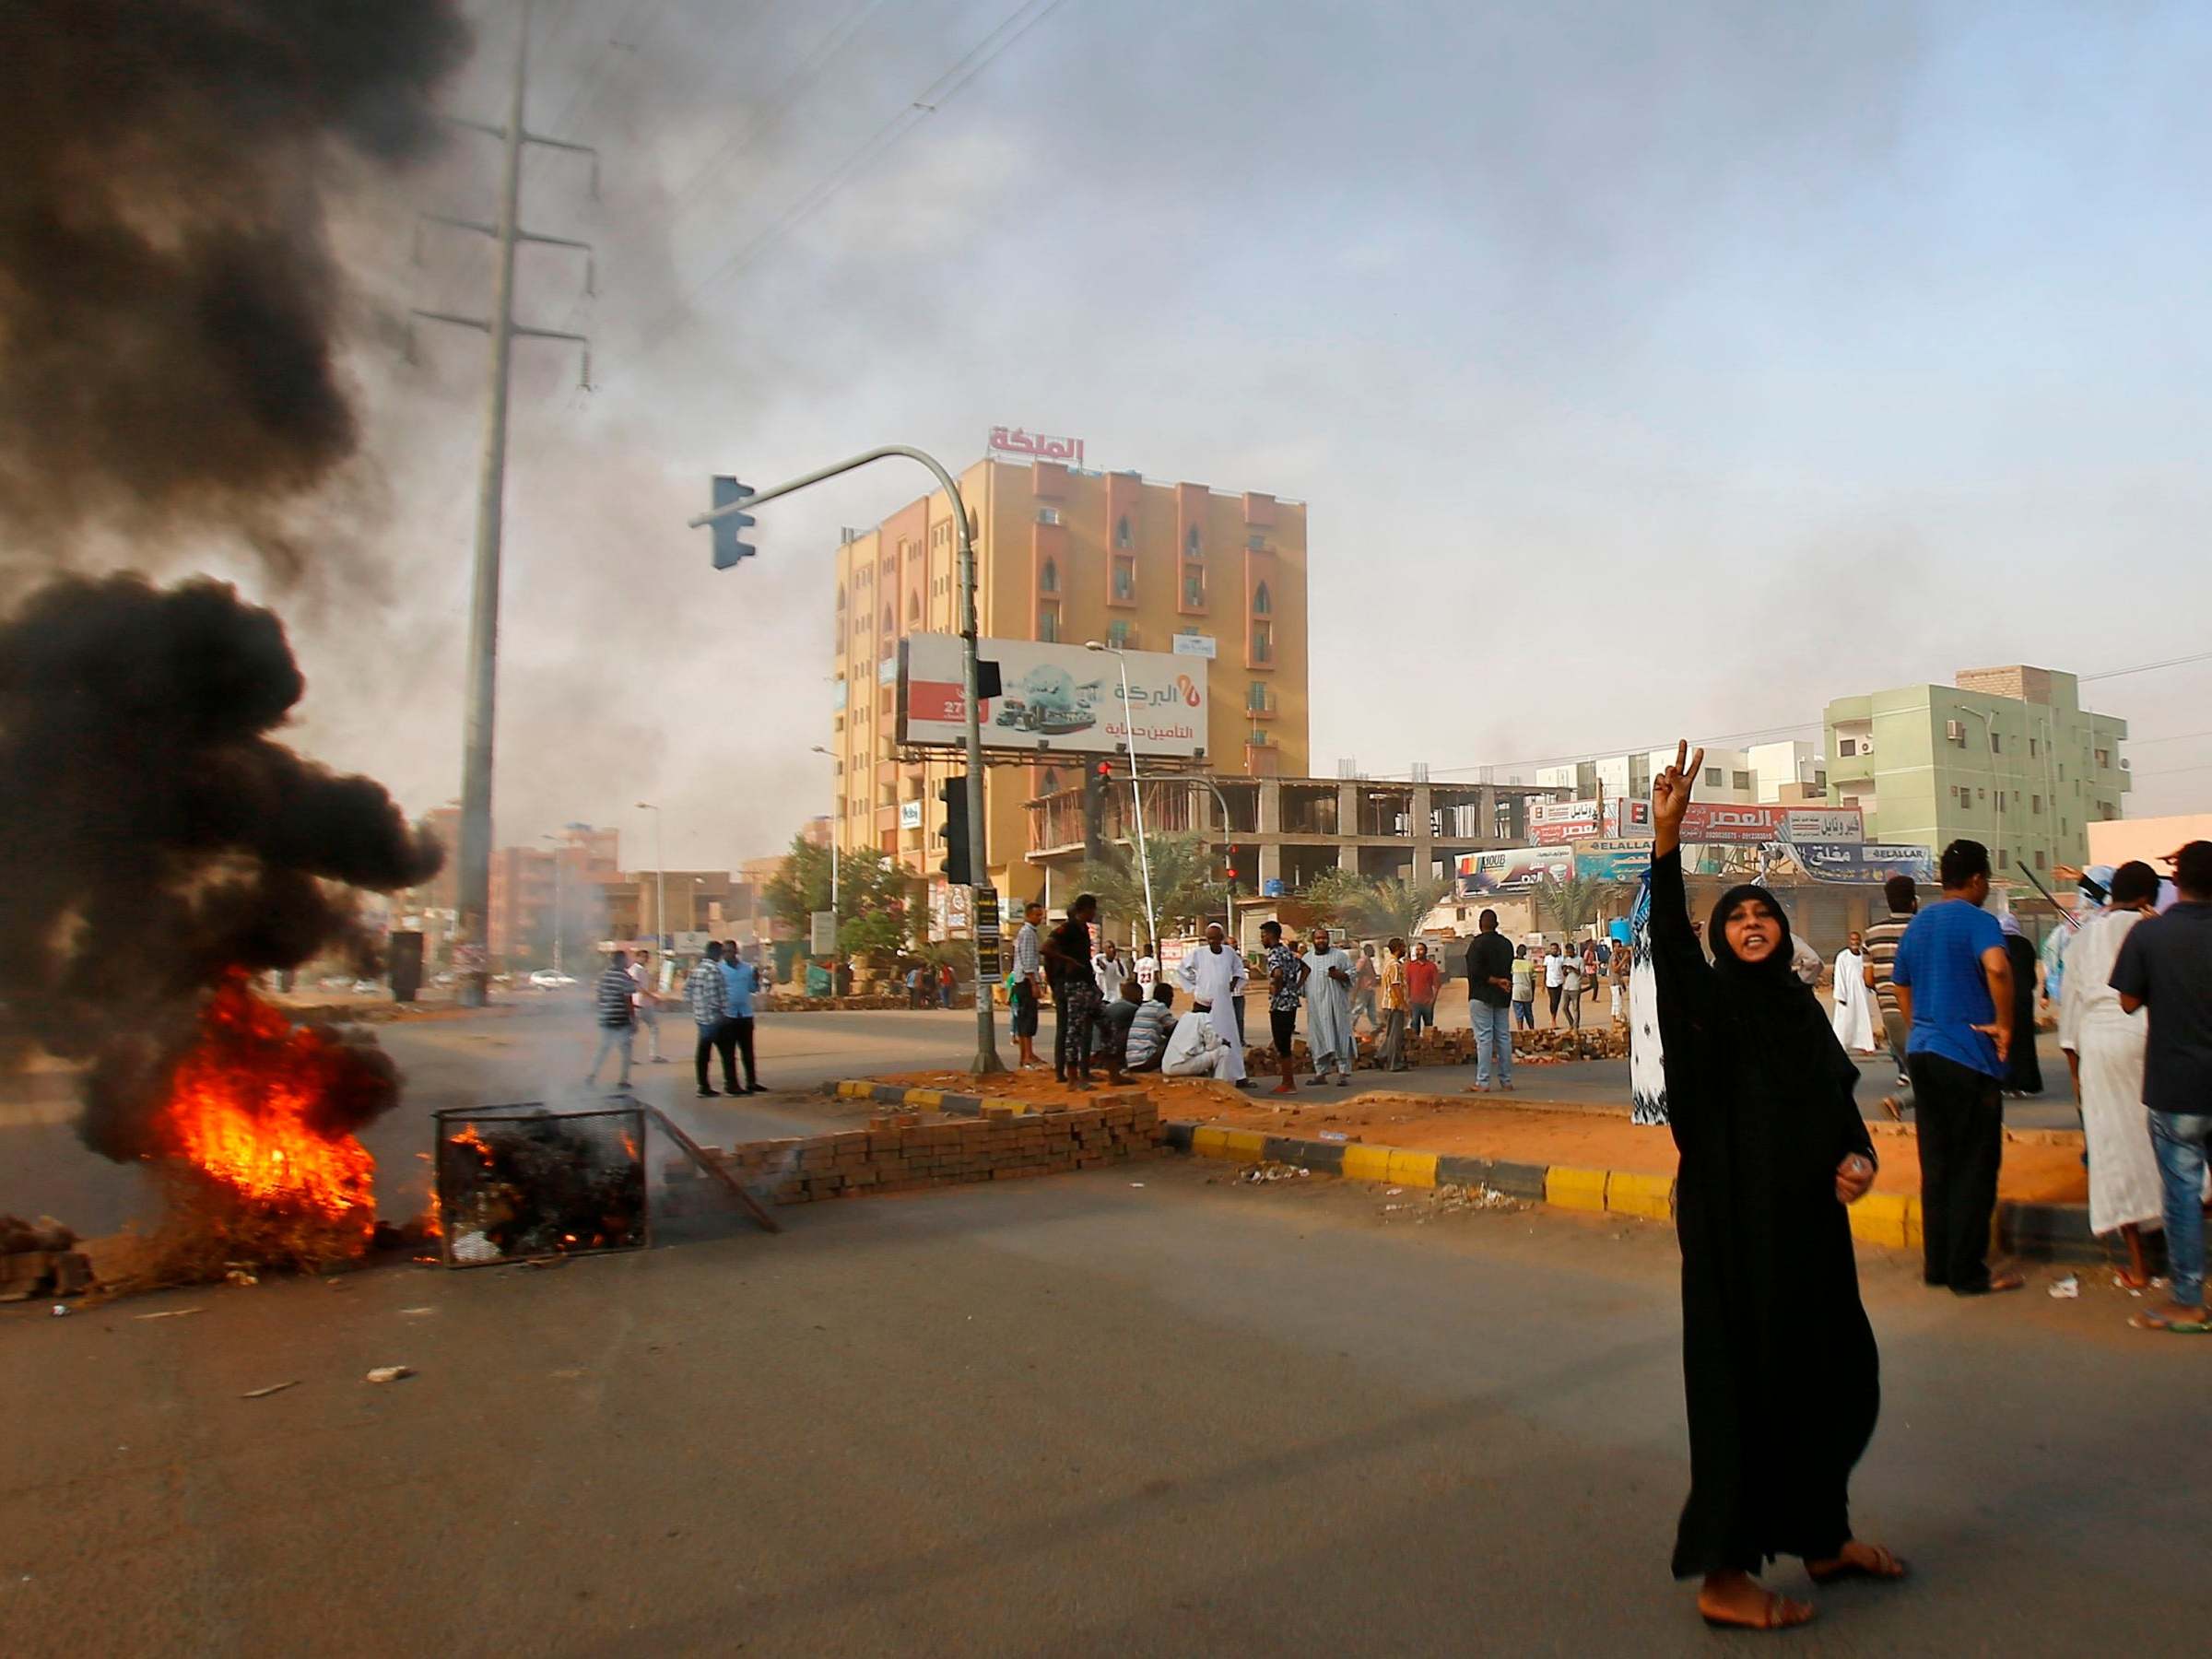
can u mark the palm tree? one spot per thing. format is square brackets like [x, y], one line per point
[1574, 900]
[1391, 909]
[1184, 889]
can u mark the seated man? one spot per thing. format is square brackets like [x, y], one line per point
[1113, 1022]
[1198, 1049]
[1149, 1030]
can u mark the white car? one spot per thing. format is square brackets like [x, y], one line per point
[550, 979]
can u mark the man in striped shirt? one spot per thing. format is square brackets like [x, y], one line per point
[1903, 894]
[708, 994]
[618, 1017]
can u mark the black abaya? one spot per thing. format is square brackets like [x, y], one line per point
[2023, 1069]
[1778, 1363]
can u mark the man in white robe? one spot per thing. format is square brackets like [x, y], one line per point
[2104, 1045]
[1854, 999]
[1214, 976]
[1195, 1049]
[1329, 1009]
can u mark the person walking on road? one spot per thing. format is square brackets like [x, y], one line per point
[704, 991]
[2165, 966]
[1365, 977]
[734, 1035]
[1287, 974]
[617, 1018]
[1492, 984]
[1555, 978]
[1329, 1040]
[1524, 988]
[1422, 978]
[1390, 1054]
[1778, 1363]
[1027, 982]
[2103, 1045]
[646, 1003]
[1570, 994]
[1953, 981]
[1854, 1002]
[1617, 972]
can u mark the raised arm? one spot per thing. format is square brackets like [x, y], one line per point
[1676, 956]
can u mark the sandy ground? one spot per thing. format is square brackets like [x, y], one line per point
[2041, 1166]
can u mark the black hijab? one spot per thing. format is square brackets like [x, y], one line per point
[1769, 1006]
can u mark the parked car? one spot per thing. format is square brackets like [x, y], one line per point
[551, 978]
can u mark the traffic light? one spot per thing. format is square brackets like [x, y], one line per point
[728, 547]
[953, 792]
[1229, 874]
[1096, 782]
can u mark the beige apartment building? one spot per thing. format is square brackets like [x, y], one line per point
[1069, 555]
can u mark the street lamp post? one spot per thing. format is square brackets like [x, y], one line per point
[986, 1047]
[661, 939]
[836, 804]
[1136, 794]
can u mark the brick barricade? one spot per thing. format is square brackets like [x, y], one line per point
[907, 1151]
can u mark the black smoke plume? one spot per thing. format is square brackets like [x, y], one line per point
[154, 834]
[169, 307]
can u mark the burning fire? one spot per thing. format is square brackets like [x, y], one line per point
[242, 1109]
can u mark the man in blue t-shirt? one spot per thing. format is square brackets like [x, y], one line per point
[1954, 987]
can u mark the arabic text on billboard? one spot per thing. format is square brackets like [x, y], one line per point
[1512, 869]
[1055, 697]
[1714, 823]
[1551, 822]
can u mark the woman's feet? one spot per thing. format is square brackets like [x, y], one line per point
[1857, 1560]
[1739, 1600]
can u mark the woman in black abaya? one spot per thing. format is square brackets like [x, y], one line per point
[1778, 1361]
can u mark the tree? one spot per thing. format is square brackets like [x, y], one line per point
[877, 900]
[1184, 889]
[1574, 902]
[1369, 909]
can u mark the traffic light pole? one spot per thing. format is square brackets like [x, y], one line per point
[986, 1043]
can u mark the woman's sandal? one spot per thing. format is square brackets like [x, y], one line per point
[1885, 1566]
[2151, 1320]
[1776, 1612]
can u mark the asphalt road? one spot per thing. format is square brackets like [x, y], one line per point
[1071, 1416]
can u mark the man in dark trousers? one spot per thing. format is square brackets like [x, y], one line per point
[1953, 982]
[1490, 1003]
[1067, 954]
[2165, 965]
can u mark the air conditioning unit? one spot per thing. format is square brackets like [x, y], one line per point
[1954, 731]
[1865, 746]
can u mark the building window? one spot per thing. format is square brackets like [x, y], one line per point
[2004, 859]
[1190, 543]
[2104, 757]
[2031, 749]
[889, 620]
[913, 611]
[1047, 623]
[1125, 581]
[1996, 742]
[1741, 779]
[1256, 696]
[1848, 747]
[840, 598]
[1263, 604]
[1713, 777]
[2039, 863]
[1263, 642]
[1194, 589]
[1048, 579]
[1254, 542]
[2035, 805]
[1048, 515]
[1117, 634]
[1121, 534]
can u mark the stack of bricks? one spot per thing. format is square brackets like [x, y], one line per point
[1430, 1047]
[36, 1260]
[905, 1152]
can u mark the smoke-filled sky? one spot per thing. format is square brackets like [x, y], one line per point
[1647, 368]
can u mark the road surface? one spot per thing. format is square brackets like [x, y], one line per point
[1073, 1416]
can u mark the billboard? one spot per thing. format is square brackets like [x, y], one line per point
[1056, 698]
[1620, 861]
[1870, 861]
[1512, 869]
[1552, 822]
[1719, 824]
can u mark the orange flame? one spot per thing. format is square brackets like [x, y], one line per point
[238, 1108]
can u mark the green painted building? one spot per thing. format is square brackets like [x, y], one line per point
[2007, 756]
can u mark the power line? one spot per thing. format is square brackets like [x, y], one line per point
[1763, 733]
[2168, 771]
[932, 99]
[2170, 738]
[2201, 656]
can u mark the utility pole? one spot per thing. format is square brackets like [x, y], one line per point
[559, 847]
[470, 955]
[663, 939]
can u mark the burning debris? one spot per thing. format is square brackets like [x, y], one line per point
[37, 1259]
[516, 1186]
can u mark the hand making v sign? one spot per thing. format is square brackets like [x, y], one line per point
[1670, 797]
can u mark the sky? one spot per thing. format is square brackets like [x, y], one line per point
[1646, 370]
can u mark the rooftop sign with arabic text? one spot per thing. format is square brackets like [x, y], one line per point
[1018, 441]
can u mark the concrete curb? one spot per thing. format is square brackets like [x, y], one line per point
[2051, 1232]
[2039, 1232]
